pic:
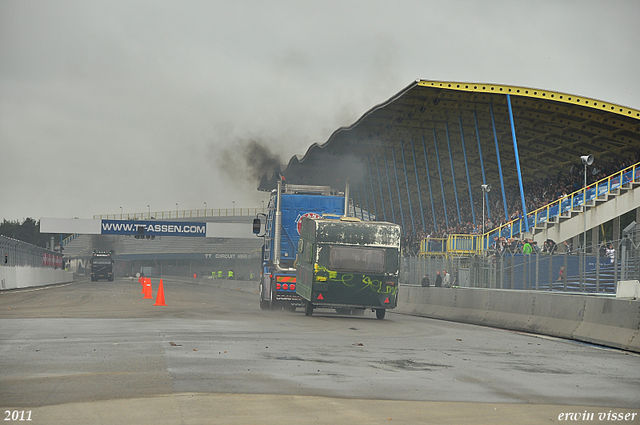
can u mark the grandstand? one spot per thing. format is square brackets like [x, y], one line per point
[420, 160]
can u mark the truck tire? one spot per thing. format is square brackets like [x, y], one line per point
[308, 309]
[380, 312]
[264, 304]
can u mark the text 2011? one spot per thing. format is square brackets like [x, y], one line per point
[17, 415]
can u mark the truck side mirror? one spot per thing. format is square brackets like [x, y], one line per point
[256, 225]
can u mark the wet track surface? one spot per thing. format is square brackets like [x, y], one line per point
[77, 345]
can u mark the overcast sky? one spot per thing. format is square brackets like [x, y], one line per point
[109, 104]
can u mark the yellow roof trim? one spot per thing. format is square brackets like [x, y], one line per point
[536, 93]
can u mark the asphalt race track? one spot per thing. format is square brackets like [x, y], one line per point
[97, 352]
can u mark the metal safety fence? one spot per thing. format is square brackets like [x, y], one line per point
[181, 214]
[594, 271]
[15, 253]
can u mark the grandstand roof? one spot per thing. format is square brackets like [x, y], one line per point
[552, 129]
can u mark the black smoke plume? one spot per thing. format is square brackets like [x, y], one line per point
[249, 160]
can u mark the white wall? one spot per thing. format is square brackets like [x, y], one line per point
[24, 277]
[595, 319]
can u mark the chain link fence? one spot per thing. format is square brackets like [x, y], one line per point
[594, 271]
[18, 253]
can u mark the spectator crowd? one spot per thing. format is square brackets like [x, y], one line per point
[538, 193]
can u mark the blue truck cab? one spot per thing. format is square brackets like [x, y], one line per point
[287, 206]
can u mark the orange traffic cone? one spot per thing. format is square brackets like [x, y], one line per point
[148, 289]
[160, 297]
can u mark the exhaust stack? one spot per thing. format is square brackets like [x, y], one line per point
[277, 234]
[346, 198]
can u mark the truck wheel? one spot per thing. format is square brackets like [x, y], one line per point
[380, 312]
[308, 309]
[264, 305]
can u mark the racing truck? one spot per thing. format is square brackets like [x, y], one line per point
[102, 266]
[287, 207]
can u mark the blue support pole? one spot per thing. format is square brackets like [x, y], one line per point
[393, 152]
[444, 201]
[495, 139]
[426, 164]
[515, 149]
[384, 212]
[359, 204]
[466, 167]
[484, 179]
[415, 168]
[406, 180]
[366, 199]
[393, 213]
[353, 203]
[373, 191]
[453, 175]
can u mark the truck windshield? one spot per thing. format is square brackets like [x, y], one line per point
[349, 258]
[101, 261]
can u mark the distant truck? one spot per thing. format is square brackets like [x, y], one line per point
[288, 205]
[349, 265]
[102, 266]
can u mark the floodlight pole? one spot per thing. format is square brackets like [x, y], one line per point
[485, 189]
[584, 239]
[483, 193]
[586, 160]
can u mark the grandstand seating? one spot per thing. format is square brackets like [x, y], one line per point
[559, 214]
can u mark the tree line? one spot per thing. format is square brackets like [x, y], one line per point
[27, 231]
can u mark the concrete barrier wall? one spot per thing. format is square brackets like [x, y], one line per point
[599, 320]
[628, 289]
[24, 277]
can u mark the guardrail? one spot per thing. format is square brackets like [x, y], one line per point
[17, 253]
[199, 213]
[433, 247]
[559, 208]
[550, 213]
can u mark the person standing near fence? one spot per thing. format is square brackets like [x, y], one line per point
[561, 275]
[425, 281]
[526, 249]
[611, 253]
[446, 281]
[438, 280]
